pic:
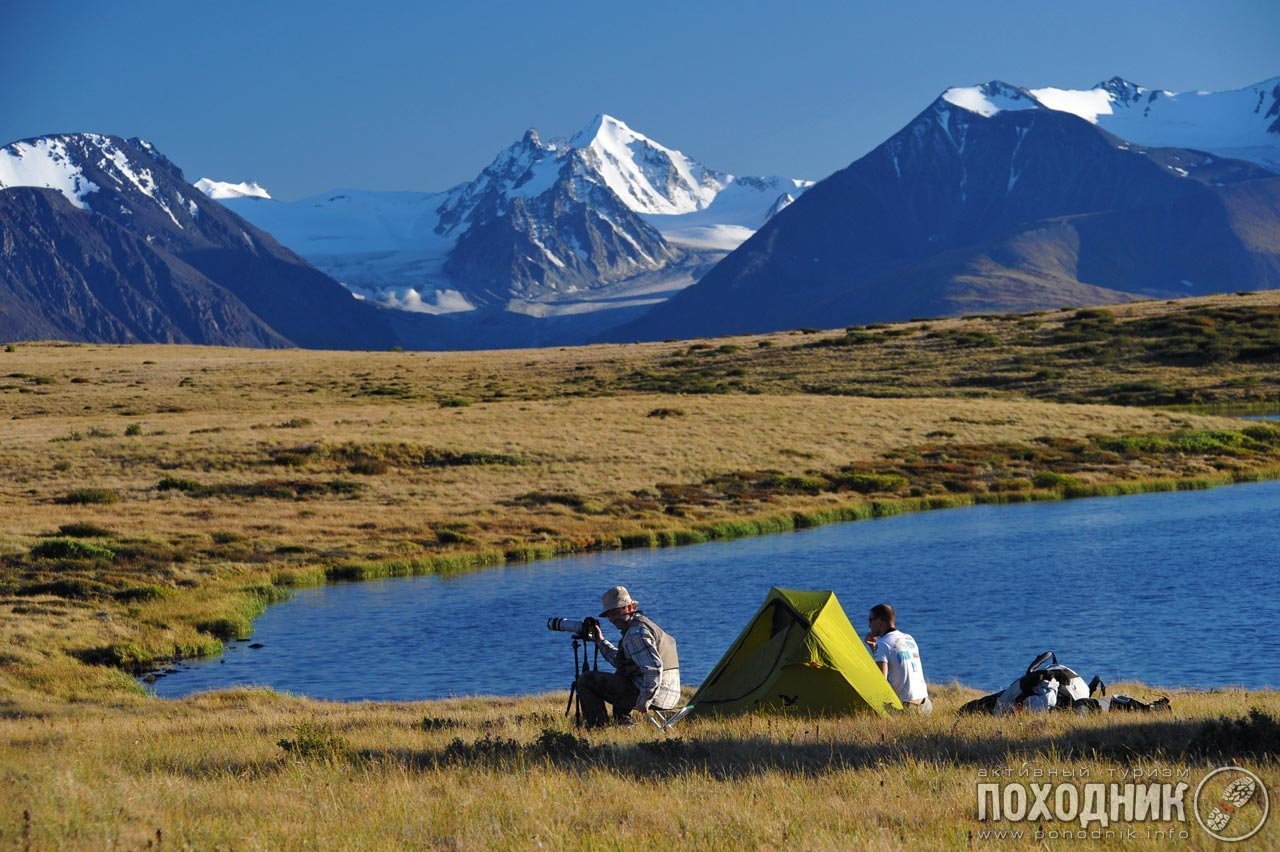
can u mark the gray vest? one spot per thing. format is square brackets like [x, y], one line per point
[666, 648]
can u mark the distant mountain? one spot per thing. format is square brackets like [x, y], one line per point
[988, 199]
[994, 198]
[1242, 124]
[547, 227]
[183, 267]
[218, 190]
[67, 275]
[545, 219]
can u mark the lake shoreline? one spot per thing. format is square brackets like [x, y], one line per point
[771, 524]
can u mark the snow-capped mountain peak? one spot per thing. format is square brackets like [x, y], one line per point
[647, 176]
[220, 190]
[45, 162]
[602, 124]
[1242, 123]
[1239, 124]
[545, 219]
[523, 165]
[98, 172]
[991, 98]
[1126, 91]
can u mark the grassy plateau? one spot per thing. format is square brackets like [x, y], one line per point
[156, 498]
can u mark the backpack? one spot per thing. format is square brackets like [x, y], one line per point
[1046, 685]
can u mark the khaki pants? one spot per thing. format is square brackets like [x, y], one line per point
[925, 707]
[595, 689]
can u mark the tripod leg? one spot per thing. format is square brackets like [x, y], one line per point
[573, 691]
[575, 698]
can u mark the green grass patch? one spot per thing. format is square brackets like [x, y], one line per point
[71, 548]
[89, 497]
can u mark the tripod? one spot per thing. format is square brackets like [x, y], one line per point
[575, 700]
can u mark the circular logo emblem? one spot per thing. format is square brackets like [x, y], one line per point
[1231, 804]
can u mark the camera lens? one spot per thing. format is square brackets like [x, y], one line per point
[565, 625]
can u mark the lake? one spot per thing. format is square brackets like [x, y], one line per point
[1174, 589]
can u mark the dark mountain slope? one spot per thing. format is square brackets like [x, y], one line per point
[68, 275]
[874, 241]
[112, 184]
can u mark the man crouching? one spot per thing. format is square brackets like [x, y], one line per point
[648, 668]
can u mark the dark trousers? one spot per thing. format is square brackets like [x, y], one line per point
[595, 689]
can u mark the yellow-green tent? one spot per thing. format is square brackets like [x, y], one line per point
[800, 653]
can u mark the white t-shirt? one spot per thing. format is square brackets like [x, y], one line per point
[905, 675]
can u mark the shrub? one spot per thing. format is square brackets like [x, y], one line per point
[454, 402]
[562, 745]
[666, 412]
[175, 483]
[435, 723]
[1263, 434]
[84, 530]
[546, 498]
[489, 749]
[369, 467]
[315, 741]
[226, 627]
[802, 484]
[70, 548]
[73, 588]
[1054, 481]
[141, 594]
[88, 496]
[976, 339]
[451, 537]
[869, 483]
[275, 489]
[9, 347]
[133, 430]
[1257, 735]
[376, 457]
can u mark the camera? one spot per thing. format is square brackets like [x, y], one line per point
[580, 629]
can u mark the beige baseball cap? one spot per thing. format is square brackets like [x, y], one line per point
[616, 598]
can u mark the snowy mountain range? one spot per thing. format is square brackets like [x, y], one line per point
[102, 238]
[991, 200]
[601, 220]
[1242, 124]
[996, 197]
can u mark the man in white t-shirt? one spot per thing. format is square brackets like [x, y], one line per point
[899, 659]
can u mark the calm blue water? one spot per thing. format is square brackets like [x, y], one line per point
[1171, 589]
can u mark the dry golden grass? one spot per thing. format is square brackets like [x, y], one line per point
[237, 474]
[234, 472]
[209, 772]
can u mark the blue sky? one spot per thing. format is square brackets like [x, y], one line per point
[311, 96]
